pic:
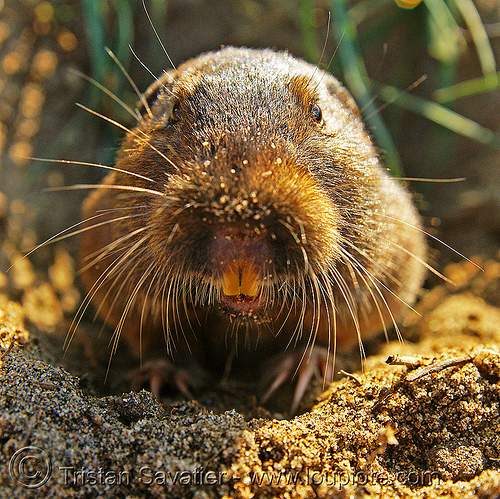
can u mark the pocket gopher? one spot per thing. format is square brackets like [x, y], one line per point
[249, 209]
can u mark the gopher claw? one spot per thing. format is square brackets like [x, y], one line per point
[159, 373]
[316, 362]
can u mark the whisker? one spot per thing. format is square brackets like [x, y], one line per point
[382, 269]
[333, 55]
[290, 309]
[151, 72]
[131, 298]
[122, 263]
[143, 311]
[360, 268]
[106, 274]
[408, 89]
[107, 250]
[406, 304]
[143, 100]
[316, 67]
[418, 259]
[299, 243]
[131, 188]
[157, 35]
[331, 300]
[432, 180]
[425, 264]
[348, 298]
[165, 308]
[60, 237]
[130, 254]
[95, 165]
[432, 237]
[312, 282]
[110, 94]
[180, 282]
[86, 303]
[128, 130]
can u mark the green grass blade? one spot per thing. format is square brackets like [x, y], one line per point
[357, 80]
[444, 32]
[468, 88]
[307, 30]
[125, 22]
[363, 10]
[479, 36]
[95, 33]
[440, 115]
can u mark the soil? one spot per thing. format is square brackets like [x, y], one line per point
[425, 425]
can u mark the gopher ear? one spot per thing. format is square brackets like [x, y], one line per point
[162, 84]
[336, 89]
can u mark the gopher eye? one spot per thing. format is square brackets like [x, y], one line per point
[174, 112]
[316, 113]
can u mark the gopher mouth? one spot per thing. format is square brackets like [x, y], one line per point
[242, 290]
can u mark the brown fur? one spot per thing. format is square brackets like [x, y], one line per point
[245, 175]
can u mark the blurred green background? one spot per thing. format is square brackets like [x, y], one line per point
[425, 78]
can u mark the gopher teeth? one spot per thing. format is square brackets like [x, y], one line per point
[240, 280]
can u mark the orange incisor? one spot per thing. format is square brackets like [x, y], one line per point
[240, 279]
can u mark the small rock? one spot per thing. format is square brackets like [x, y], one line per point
[457, 461]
